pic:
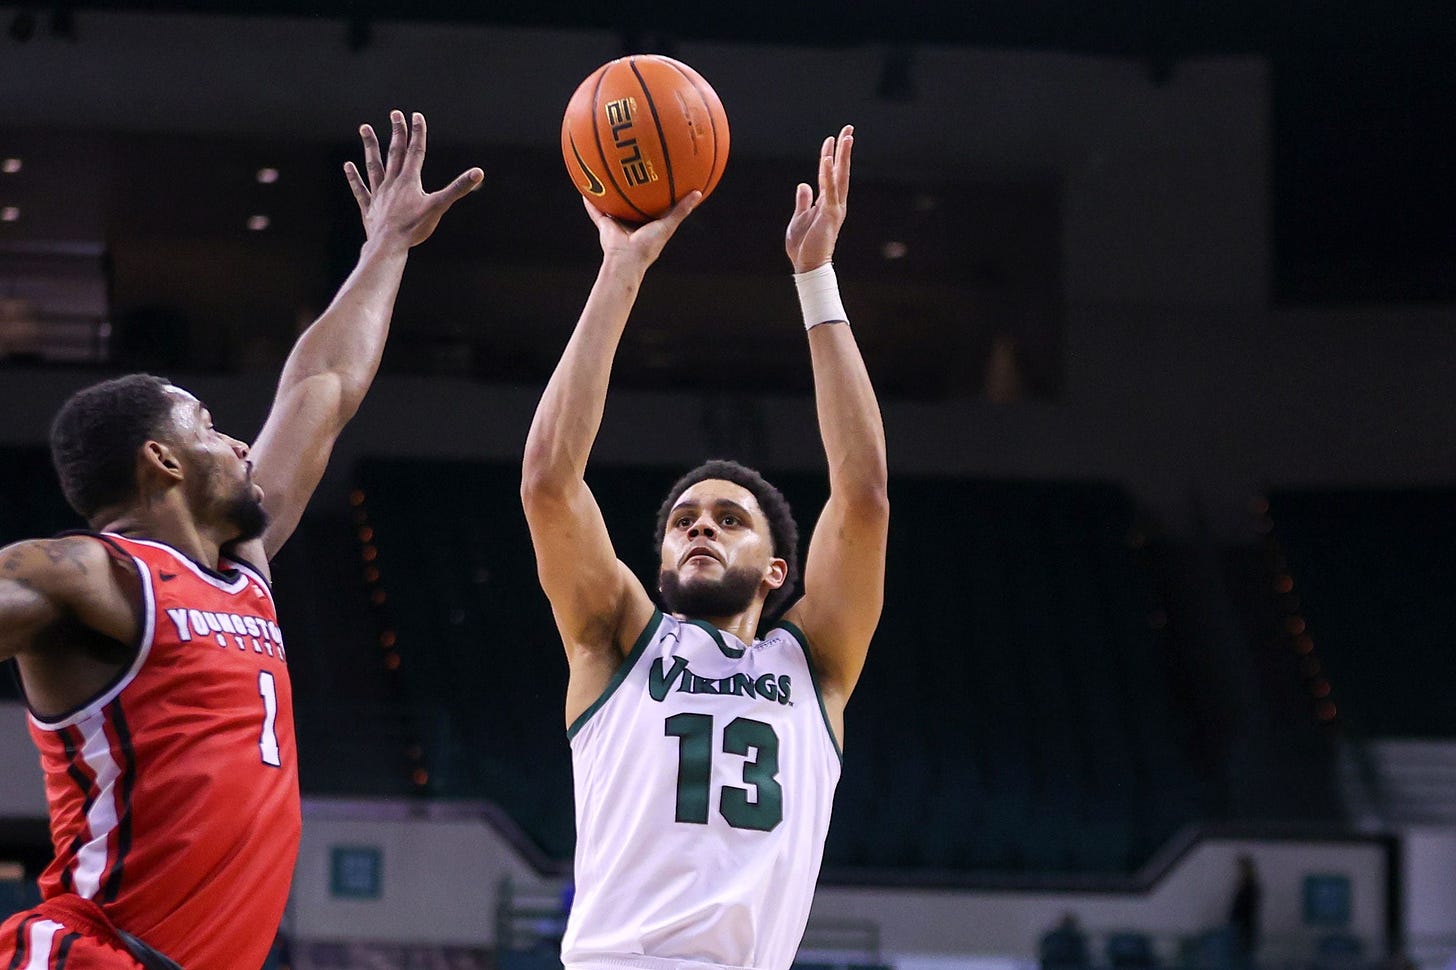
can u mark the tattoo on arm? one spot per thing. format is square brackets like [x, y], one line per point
[68, 550]
[17, 565]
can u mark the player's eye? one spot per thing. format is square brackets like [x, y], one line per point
[730, 519]
[684, 521]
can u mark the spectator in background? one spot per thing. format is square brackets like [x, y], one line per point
[1243, 915]
[1064, 946]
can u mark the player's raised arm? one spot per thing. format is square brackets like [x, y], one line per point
[335, 360]
[844, 572]
[596, 599]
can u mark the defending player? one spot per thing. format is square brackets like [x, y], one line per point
[149, 649]
[705, 759]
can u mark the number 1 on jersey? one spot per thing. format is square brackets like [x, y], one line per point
[268, 740]
[695, 771]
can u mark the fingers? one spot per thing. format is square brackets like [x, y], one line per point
[803, 213]
[650, 238]
[372, 164]
[674, 216]
[398, 141]
[406, 149]
[464, 183]
[664, 225]
[357, 186]
[416, 157]
[834, 160]
[842, 160]
[842, 157]
[596, 215]
[826, 167]
[803, 198]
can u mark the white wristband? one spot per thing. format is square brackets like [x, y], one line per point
[819, 297]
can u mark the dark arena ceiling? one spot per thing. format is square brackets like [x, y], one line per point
[1361, 95]
[1125, 28]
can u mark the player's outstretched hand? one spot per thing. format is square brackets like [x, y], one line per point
[814, 228]
[644, 243]
[393, 202]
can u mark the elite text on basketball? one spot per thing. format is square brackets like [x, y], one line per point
[621, 117]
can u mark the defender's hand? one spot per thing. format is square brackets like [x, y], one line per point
[394, 203]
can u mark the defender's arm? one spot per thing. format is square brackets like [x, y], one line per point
[333, 363]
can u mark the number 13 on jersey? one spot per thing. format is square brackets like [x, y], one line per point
[695, 771]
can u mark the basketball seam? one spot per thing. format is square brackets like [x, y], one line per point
[661, 138]
[597, 137]
[707, 109]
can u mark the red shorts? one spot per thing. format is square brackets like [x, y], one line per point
[64, 933]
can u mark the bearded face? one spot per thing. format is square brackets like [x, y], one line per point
[245, 511]
[219, 478]
[700, 597]
[717, 558]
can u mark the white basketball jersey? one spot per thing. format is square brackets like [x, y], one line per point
[705, 775]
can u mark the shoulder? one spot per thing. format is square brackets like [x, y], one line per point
[76, 575]
[73, 578]
[789, 627]
[786, 635]
[637, 616]
[70, 559]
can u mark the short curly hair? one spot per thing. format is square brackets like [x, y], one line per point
[96, 434]
[783, 530]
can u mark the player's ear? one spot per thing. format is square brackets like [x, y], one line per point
[158, 459]
[778, 571]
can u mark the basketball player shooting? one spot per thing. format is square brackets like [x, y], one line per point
[149, 648]
[705, 758]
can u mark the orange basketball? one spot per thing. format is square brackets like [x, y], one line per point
[642, 132]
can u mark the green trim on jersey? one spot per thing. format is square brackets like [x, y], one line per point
[631, 661]
[803, 641]
[732, 653]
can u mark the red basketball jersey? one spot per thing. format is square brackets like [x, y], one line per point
[174, 795]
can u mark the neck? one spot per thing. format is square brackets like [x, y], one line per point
[163, 523]
[742, 625]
